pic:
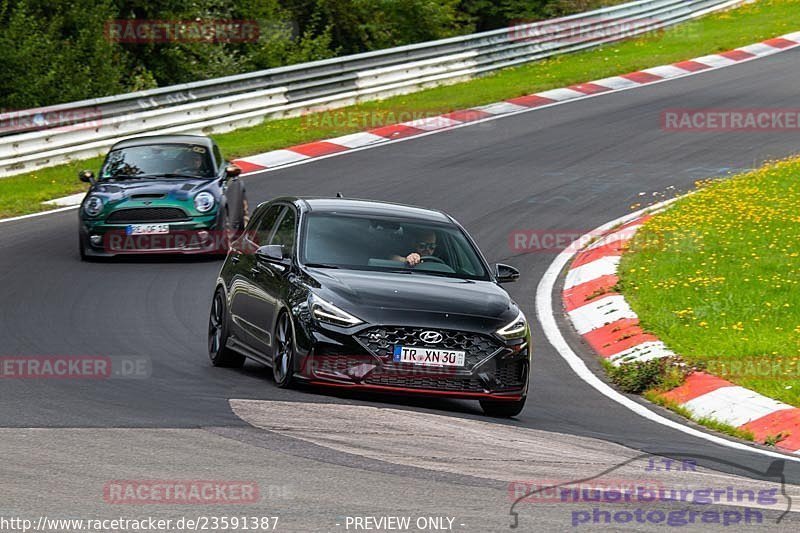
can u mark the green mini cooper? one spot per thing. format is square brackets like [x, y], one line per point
[162, 194]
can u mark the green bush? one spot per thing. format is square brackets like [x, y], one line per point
[636, 377]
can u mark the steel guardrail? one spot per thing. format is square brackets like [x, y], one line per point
[227, 103]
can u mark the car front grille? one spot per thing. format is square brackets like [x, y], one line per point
[501, 375]
[147, 214]
[382, 340]
[442, 383]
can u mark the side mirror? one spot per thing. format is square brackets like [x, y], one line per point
[231, 171]
[272, 253]
[505, 273]
[86, 176]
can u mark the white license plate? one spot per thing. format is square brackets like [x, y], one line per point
[428, 356]
[147, 229]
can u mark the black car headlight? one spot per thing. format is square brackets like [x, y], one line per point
[93, 205]
[516, 329]
[330, 314]
[204, 202]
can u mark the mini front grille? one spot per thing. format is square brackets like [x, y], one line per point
[147, 214]
[147, 196]
[382, 340]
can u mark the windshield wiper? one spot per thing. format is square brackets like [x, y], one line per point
[320, 265]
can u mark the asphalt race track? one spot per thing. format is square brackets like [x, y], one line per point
[567, 168]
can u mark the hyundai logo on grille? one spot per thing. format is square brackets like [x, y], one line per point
[430, 337]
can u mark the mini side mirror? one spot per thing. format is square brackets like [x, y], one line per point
[232, 171]
[86, 176]
[505, 273]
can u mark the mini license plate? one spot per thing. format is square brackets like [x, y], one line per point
[147, 229]
[428, 356]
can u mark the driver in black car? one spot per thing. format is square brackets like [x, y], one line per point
[424, 244]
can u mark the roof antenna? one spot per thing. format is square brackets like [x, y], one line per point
[339, 195]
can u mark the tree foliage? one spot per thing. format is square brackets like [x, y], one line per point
[54, 51]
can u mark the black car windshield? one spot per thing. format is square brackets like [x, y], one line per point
[155, 160]
[338, 240]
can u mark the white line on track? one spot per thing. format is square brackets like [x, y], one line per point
[547, 318]
[40, 214]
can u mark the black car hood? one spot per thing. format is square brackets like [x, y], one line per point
[369, 294]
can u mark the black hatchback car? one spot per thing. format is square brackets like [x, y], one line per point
[373, 296]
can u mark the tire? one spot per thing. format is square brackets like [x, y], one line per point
[218, 352]
[82, 252]
[283, 353]
[501, 408]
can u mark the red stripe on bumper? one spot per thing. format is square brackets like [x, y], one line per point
[422, 392]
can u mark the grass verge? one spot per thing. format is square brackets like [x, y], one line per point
[716, 277]
[715, 33]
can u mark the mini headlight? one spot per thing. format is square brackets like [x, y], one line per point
[516, 329]
[329, 313]
[204, 201]
[93, 206]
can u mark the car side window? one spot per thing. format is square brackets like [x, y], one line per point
[264, 226]
[284, 235]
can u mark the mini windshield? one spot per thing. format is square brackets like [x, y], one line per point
[359, 242]
[154, 160]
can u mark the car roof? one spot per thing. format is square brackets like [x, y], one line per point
[370, 207]
[144, 140]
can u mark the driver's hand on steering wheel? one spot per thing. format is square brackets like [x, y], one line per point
[413, 259]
